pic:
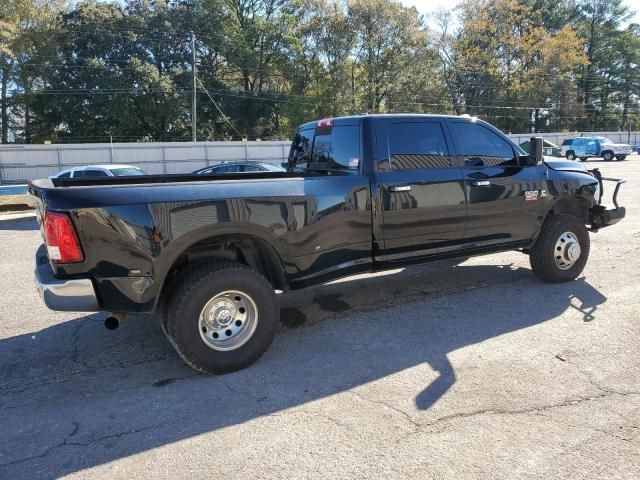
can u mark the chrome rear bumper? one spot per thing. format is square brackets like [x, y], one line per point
[72, 295]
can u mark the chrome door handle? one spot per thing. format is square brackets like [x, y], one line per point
[481, 183]
[403, 188]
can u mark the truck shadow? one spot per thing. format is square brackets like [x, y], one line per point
[75, 396]
[19, 223]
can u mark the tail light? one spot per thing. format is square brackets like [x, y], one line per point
[61, 239]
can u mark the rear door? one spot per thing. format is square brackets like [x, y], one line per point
[329, 211]
[504, 198]
[592, 147]
[421, 193]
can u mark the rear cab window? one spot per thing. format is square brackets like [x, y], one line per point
[326, 148]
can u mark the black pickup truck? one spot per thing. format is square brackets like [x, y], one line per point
[208, 253]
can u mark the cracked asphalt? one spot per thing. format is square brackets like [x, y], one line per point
[468, 369]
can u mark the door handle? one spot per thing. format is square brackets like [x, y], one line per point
[403, 188]
[481, 183]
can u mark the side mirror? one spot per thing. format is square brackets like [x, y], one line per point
[535, 150]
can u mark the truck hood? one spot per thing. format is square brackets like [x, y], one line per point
[562, 165]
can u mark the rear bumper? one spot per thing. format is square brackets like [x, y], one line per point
[72, 295]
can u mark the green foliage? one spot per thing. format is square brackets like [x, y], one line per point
[93, 70]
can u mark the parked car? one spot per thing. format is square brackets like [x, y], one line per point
[109, 170]
[240, 167]
[361, 194]
[587, 147]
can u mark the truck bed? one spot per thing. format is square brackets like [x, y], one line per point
[165, 178]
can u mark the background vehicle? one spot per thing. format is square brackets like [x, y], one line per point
[586, 147]
[361, 194]
[109, 170]
[240, 167]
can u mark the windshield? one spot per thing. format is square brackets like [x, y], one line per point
[123, 172]
[605, 140]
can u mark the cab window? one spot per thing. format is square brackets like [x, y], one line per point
[482, 147]
[336, 148]
[417, 145]
[300, 153]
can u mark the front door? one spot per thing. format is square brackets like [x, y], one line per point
[504, 198]
[421, 188]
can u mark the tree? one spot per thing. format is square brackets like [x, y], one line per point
[508, 65]
[389, 37]
[28, 26]
[597, 23]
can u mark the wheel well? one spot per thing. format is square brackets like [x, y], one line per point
[246, 249]
[575, 206]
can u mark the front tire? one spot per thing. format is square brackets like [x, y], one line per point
[561, 250]
[222, 317]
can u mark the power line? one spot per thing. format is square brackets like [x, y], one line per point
[219, 110]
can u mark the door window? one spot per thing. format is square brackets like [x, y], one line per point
[482, 147]
[416, 145]
[95, 173]
[336, 148]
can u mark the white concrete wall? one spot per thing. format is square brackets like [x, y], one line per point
[19, 163]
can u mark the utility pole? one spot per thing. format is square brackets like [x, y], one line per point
[193, 93]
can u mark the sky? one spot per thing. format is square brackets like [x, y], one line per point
[427, 6]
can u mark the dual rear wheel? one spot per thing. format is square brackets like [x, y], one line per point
[221, 316]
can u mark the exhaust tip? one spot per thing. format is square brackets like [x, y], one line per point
[111, 323]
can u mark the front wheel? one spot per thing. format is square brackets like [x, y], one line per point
[571, 155]
[222, 317]
[562, 249]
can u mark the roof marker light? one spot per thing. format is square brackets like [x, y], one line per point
[327, 122]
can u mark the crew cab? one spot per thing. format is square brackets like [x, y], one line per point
[208, 253]
[587, 147]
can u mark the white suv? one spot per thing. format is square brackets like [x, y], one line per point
[585, 147]
[109, 170]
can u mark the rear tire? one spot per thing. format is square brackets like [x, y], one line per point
[222, 317]
[561, 250]
[607, 156]
[571, 155]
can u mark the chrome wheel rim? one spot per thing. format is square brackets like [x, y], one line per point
[567, 250]
[228, 320]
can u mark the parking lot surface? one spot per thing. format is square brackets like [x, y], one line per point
[469, 369]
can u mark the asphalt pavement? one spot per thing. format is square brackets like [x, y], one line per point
[452, 370]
